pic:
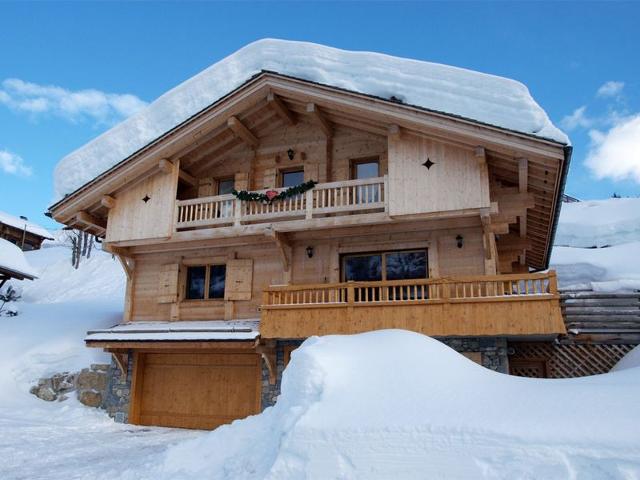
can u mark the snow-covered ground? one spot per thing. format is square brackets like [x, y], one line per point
[597, 245]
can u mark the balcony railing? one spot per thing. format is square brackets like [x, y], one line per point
[482, 305]
[337, 198]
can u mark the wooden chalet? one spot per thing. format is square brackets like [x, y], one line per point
[21, 232]
[399, 217]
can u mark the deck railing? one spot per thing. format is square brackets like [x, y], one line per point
[339, 198]
[414, 291]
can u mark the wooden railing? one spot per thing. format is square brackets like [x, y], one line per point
[352, 196]
[412, 291]
[525, 304]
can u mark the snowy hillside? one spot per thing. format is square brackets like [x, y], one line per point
[478, 96]
[597, 245]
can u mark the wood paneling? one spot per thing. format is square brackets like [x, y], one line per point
[195, 390]
[239, 279]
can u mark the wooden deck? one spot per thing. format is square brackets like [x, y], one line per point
[335, 198]
[524, 304]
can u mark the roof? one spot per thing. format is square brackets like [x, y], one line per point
[13, 262]
[484, 98]
[19, 223]
[177, 331]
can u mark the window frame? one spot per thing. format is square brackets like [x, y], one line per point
[354, 162]
[207, 280]
[283, 171]
[224, 179]
[383, 254]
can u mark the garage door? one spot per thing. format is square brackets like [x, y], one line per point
[195, 390]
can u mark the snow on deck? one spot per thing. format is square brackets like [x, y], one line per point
[490, 99]
[13, 261]
[21, 224]
[178, 331]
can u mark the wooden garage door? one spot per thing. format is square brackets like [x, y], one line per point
[196, 390]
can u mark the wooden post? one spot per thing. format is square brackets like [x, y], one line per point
[237, 211]
[553, 282]
[309, 204]
[385, 192]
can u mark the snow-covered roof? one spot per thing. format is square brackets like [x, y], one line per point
[13, 262]
[177, 331]
[19, 223]
[489, 99]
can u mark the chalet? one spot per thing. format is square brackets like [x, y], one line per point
[21, 232]
[294, 190]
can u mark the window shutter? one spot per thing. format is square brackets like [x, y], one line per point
[168, 283]
[241, 181]
[269, 179]
[239, 280]
[311, 172]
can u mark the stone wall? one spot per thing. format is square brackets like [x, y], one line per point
[270, 392]
[493, 349]
[118, 391]
[90, 385]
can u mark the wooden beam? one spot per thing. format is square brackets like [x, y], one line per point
[523, 182]
[325, 125]
[284, 247]
[187, 178]
[108, 201]
[481, 155]
[165, 166]
[243, 132]
[513, 242]
[88, 219]
[281, 108]
[394, 131]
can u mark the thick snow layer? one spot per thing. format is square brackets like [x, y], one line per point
[630, 360]
[421, 410]
[178, 331]
[17, 222]
[486, 98]
[598, 223]
[12, 259]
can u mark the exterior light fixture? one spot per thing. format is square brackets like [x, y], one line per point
[309, 251]
[460, 240]
[291, 154]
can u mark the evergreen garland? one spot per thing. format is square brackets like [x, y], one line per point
[262, 197]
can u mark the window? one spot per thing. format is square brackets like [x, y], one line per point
[225, 185]
[291, 178]
[206, 282]
[369, 168]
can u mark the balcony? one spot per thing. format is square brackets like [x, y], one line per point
[524, 304]
[325, 199]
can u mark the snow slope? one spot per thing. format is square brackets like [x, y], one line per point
[421, 410]
[486, 98]
[597, 245]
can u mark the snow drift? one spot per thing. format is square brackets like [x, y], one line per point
[13, 259]
[486, 98]
[348, 411]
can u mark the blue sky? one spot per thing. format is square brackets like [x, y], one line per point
[579, 60]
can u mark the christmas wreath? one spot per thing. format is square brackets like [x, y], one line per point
[273, 195]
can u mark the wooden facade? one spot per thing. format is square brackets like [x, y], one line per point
[476, 203]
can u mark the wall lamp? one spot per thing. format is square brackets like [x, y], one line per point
[291, 154]
[460, 241]
[309, 252]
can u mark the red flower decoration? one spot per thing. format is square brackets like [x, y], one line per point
[271, 194]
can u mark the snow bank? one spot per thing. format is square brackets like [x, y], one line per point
[598, 223]
[12, 259]
[630, 360]
[487, 98]
[17, 222]
[346, 411]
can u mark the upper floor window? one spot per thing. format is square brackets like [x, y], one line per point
[291, 178]
[225, 185]
[369, 168]
[205, 282]
[398, 265]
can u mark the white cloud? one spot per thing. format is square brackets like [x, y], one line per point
[13, 164]
[74, 106]
[615, 154]
[610, 89]
[577, 119]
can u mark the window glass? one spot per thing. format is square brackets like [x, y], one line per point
[195, 282]
[225, 186]
[363, 268]
[216, 281]
[406, 265]
[292, 178]
[366, 170]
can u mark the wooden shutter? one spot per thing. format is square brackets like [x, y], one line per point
[241, 181]
[168, 283]
[239, 280]
[269, 180]
[311, 172]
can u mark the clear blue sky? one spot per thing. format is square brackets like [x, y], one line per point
[564, 52]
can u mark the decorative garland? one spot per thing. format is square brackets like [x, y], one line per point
[272, 195]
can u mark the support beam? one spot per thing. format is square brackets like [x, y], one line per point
[268, 353]
[394, 131]
[281, 108]
[122, 361]
[187, 178]
[481, 155]
[284, 247]
[243, 132]
[165, 166]
[325, 125]
[108, 201]
[523, 181]
[91, 221]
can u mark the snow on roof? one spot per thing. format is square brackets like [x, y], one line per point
[177, 331]
[12, 261]
[478, 96]
[17, 222]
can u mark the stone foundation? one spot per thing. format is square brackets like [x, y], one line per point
[118, 391]
[494, 350]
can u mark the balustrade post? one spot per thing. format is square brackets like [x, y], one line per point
[237, 213]
[309, 204]
[553, 282]
[385, 192]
